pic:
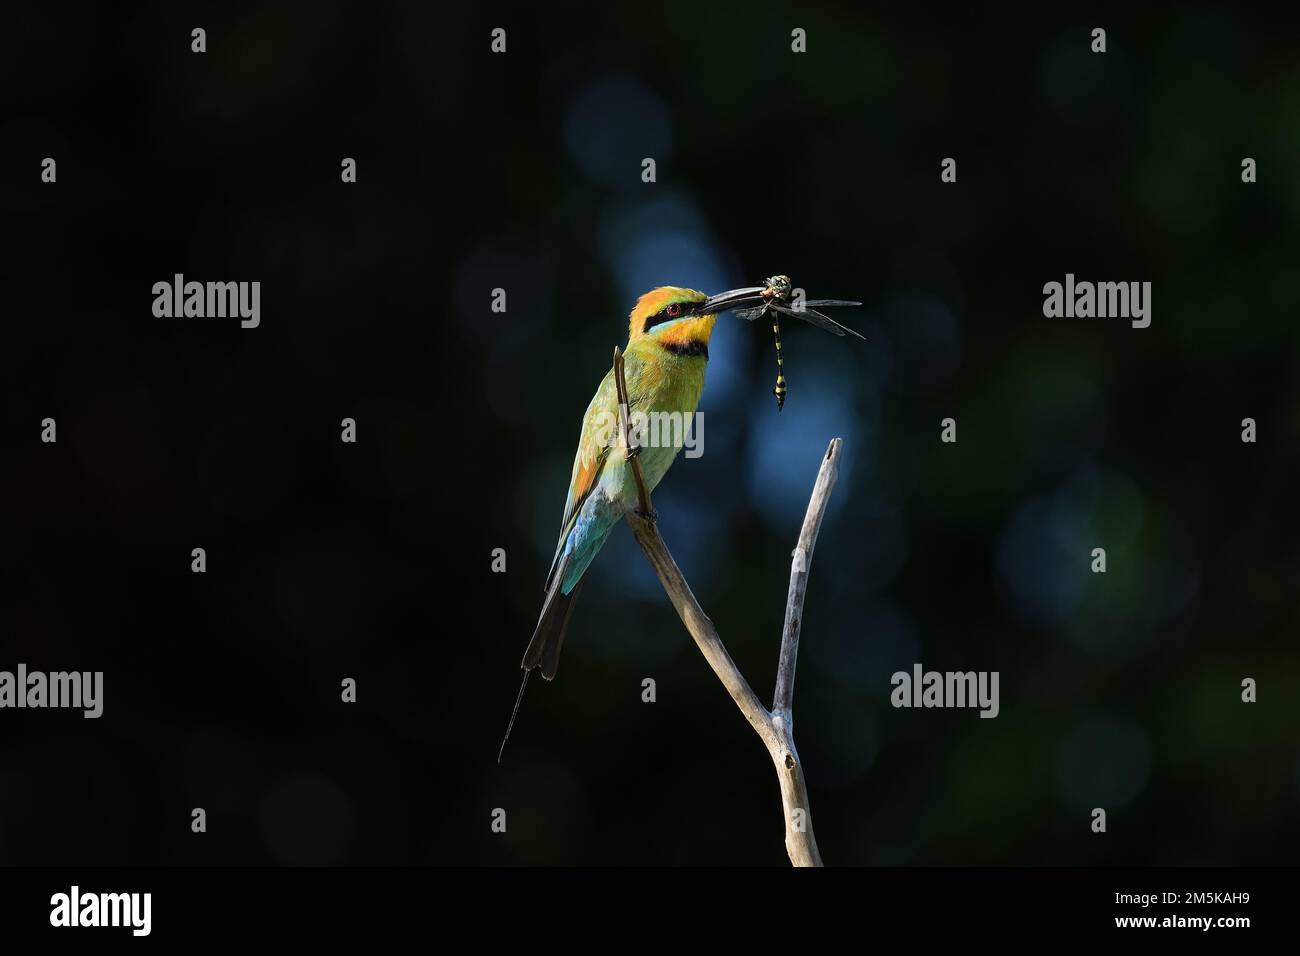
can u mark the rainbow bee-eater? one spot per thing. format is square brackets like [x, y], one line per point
[667, 351]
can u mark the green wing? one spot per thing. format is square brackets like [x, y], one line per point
[598, 434]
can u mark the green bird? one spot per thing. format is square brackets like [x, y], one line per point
[667, 351]
[664, 362]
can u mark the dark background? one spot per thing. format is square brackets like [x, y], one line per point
[522, 171]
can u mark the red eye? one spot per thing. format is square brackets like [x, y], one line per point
[674, 310]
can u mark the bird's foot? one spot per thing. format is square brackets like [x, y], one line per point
[652, 515]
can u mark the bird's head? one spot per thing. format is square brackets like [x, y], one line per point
[677, 316]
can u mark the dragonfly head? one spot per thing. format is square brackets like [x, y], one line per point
[778, 287]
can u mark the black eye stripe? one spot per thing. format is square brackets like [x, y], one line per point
[662, 316]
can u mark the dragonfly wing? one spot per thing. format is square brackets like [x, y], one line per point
[830, 302]
[844, 328]
[749, 315]
[823, 322]
[829, 324]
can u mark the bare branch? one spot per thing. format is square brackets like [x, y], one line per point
[800, 841]
[801, 564]
[701, 628]
[630, 453]
[775, 729]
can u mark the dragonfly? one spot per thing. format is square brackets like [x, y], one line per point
[776, 292]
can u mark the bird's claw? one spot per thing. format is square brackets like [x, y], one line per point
[652, 515]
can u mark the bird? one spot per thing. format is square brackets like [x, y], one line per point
[664, 362]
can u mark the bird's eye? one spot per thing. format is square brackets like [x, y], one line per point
[674, 310]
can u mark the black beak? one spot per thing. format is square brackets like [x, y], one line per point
[735, 299]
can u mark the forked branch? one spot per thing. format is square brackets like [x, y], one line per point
[775, 727]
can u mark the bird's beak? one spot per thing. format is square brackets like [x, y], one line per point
[735, 299]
